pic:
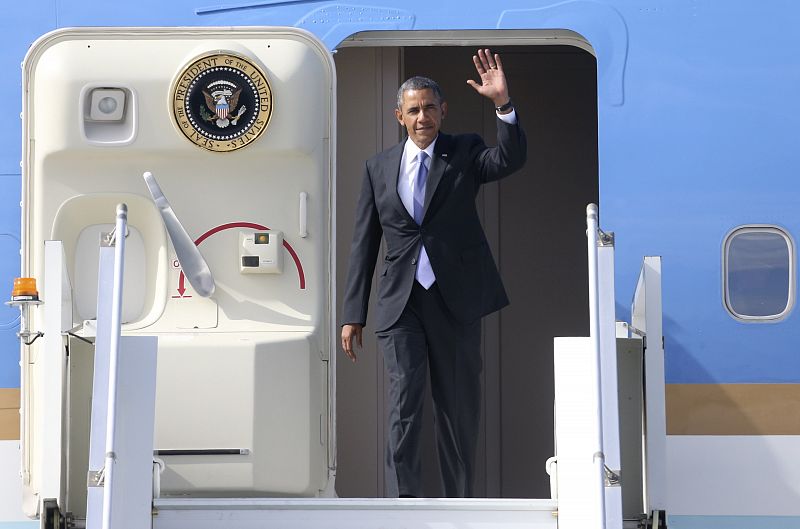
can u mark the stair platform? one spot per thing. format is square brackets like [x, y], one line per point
[354, 513]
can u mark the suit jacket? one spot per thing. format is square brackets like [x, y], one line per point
[451, 230]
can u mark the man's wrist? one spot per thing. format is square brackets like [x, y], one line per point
[504, 106]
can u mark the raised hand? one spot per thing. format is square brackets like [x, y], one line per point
[493, 80]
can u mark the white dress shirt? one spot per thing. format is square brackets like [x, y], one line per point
[409, 167]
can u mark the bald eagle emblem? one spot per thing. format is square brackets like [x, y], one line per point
[222, 98]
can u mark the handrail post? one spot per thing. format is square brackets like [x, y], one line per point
[594, 334]
[116, 330]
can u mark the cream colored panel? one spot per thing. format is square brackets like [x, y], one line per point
[257, 392]
[258, 332]
[259, 184]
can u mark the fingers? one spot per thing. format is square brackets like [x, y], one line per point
[498, 62]
[347, 346]
[486, 61]
[488, 58]
[478, 64]
[487, 66]
[349, 333]
[347, 342]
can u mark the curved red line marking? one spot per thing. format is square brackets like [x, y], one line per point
[255, 226]
[228, 226]
[297, 262]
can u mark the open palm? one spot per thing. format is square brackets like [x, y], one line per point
[493, 80]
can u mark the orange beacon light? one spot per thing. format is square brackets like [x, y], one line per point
[25, 289]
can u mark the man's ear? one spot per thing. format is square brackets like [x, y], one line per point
[444, 109]
[399, 116]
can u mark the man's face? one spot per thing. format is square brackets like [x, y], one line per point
[421, 115]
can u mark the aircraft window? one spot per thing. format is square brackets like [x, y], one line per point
[758, 270]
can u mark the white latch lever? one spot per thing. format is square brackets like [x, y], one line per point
[194, 266]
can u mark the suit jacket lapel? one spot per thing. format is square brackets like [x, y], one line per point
[439, 163]
[391, 170]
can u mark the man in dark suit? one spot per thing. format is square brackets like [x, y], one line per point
[438, 277]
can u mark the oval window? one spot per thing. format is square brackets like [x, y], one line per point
[758, 270]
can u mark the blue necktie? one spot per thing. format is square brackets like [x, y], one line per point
[424, 273]
[419, 187]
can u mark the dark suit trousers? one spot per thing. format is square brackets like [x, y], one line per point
[426, 336]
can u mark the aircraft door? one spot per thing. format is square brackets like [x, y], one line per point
[237, 125]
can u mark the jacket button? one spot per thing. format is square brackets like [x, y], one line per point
[414, 261]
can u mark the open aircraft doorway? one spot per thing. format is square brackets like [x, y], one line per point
[534, 223]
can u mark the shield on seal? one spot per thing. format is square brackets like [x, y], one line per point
[222, 108]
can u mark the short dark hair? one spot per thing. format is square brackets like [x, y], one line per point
[419, 83]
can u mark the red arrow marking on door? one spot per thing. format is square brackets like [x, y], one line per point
[251, 225]
[181, 287]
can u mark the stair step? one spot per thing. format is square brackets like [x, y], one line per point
[350, 513]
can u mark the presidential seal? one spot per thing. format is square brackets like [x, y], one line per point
[222, 102]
